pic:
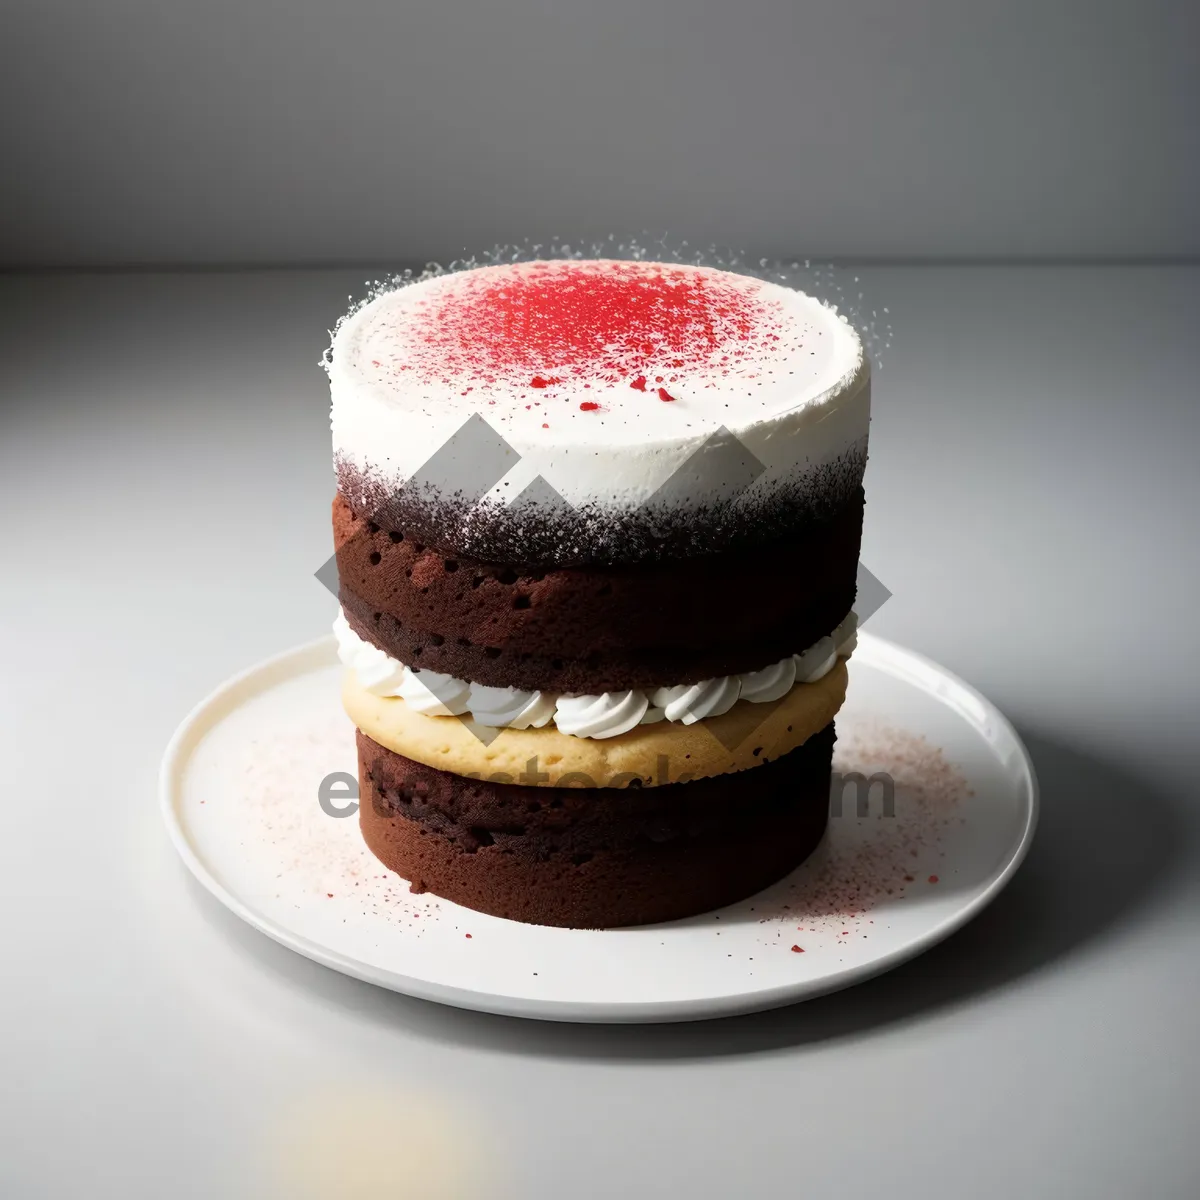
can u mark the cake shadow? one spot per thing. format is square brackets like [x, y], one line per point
[1107, 844]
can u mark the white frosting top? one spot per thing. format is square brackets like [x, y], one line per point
[602, 716]
[602, 377]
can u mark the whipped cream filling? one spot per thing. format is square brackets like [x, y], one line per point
[602, 716]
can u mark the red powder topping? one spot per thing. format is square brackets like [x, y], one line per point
[638, 384]
[867, 865]
[588, 406]
[541, 323]
[663, 394]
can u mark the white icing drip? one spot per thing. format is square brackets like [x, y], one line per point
[770, 683]
[377, 671]
[692, 702]
[606, 715]
[817, 661]
[845, 636]
[433, 694]
[602, 716]
[510, 708]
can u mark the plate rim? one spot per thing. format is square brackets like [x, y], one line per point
[207, 713]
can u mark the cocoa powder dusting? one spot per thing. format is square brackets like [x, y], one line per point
[867, 862]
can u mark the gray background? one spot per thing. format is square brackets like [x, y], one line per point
[282, 131]
[164, 491]
[1031, 499]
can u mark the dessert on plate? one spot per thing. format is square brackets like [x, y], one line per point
[597, 528]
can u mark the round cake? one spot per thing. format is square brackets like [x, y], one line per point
[597, 528]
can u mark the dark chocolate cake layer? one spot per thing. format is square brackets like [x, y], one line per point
[594, 857]
[542, 530]
[595, 629]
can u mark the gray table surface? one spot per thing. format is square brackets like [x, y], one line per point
[1032, 502]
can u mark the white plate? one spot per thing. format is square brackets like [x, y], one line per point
[239, 790]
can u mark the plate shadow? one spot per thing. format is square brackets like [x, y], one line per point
[1107, 844]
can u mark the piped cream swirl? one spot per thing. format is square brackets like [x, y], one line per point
[602, 716]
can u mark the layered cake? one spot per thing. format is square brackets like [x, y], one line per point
[597, 528]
